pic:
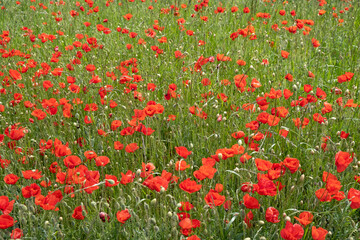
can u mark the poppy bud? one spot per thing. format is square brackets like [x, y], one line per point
[93, 203]
[146, 206]
[261, 222]
[175, 218]
[23, 207]
[287, 219]
[60, 218]
[169, 214]
[110, 181]
[262, 238]
[152, 220]
[302, 177]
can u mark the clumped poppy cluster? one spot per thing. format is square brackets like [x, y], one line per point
[189, 120]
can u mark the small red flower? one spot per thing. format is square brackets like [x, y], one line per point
[123, 216]
[183, 152]
[78, 213]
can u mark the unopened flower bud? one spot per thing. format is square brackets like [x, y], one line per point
[302, 178]
[110, 181]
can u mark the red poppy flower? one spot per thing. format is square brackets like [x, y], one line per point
[111, 180]
[205, 171]
[292, 231]
[292, 164]
[32, 174]
[15, 74]
[17, 233]
[272, 215]
[72, 161]
[6, 206]
[284, 54]
[193, 237]
[248, 218]
[344, 135]
[181, 165]
[147, 169]
[6, 221]
[11, 179]
[102, 161]
[318, 233]
[323, 195]
[354, 198]
[123, 216]
[183, 152]
[251, 202]
[132, 147]
[263, 165]
[305, 218]
[213, 198]
[128, 177]
[342, 161]
[156, 183]
[118, 145]
[78, 213]
[186, 206]
[30, 191]
[189, 186]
